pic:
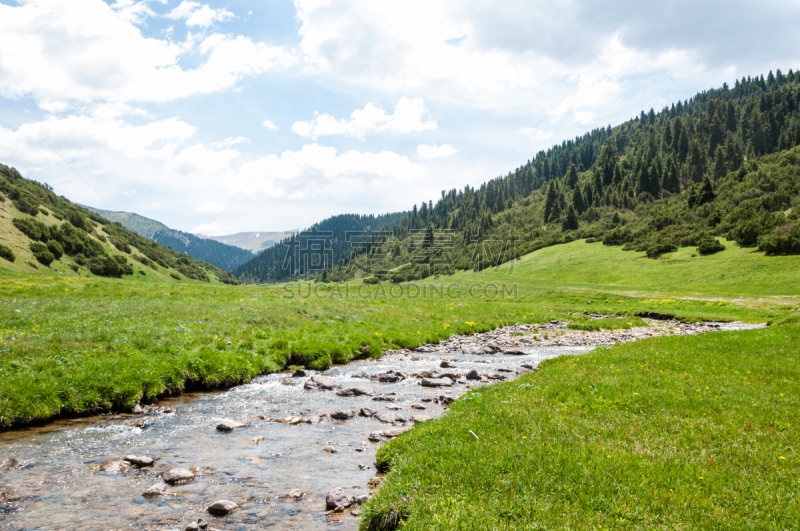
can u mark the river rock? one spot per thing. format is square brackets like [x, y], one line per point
[140, 461]
[436, 382]
[329, 449]
[115, 467]
[222, 507]
[391, 418]
[294, 494]
[155, 490]
[420, 418]
[447, 365]
[355, 391]
[291, 420]
[417, 405]
[197, 524]
[385, 435]
[435, 374]
[367, 412]
[299, 373]
[137, 410]
[343, 414]
[388, 377]
[338, 498]
[229, 425]
[375, 482]
[322, 383]
[473, 375]
[393, 407]
[492, 347]
[177, 475]
[513, 352]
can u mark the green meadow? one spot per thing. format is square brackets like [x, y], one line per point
[80, 345]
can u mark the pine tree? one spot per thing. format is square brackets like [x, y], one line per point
[572, 176]
[578, 202]
[571, 221]
[696, 163]
[683, 147]
[671, 182]
[720, 168]
[550, 202]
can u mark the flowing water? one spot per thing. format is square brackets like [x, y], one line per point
[53, 477]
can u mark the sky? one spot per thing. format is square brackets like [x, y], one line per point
[230, 116]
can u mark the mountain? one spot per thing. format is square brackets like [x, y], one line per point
[227, 257]
[42, 233]
[721, 164]
[270, 265]
[251, 241]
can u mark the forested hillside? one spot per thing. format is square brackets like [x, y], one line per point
[219, 254]
[719, 164]
[271, 264]
[40, 231]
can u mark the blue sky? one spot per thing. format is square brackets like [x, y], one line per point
[230, 116]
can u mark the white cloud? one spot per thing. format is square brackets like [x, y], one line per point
[84, 50]
[535, 134]
[269, 124]
[196, 14]
[425, 151]
[408, 117]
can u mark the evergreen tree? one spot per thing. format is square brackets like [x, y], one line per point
[706, 194]
[572, 176]
[570, 221]
[578, 202]
[720, 169]
[550, 202]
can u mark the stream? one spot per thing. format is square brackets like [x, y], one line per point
[53, 475]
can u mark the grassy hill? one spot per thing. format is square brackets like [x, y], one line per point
[44, 234]
[227, 257]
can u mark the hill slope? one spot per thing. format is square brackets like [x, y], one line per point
[212, 251]
[42, 233]
[723, 163]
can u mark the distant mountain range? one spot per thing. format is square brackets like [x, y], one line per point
[252, 241]
[210, 250]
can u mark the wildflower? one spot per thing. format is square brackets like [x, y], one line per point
[781, 457]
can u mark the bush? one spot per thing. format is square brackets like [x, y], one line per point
[55, 248]
[785, 240]
[74, 267]
[35, 230]
[25, 207]
[78, 221]
[42, 255]
[372, 280]
[175, 276]
[710, 246]
[108, 266]
[6, 253]
[657, 249]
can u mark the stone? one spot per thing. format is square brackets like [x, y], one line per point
[176, 475]
[393, 407]
[299, 373]
[336, 498]
[447, 365]
[436, 382]
[329, 449]
[444, 400]
[367, 412]
[427, 399]
[420, 418]
[115, 467]
[437, 374]
[384, 399]
[358, 499]
[375, 482]
[385, 435]
[291, 420]
[155, 490]
[343, 414]
[391, 418]
[417, 405]
[321, 383]
[229, 425]
[140, 461]
[355, 391]
[222, 507]
[491, 347]
[513, 352]
[473, 375]
[497, 376]
[197, 524]
[137, 410]
[388, 377]
[294, 494]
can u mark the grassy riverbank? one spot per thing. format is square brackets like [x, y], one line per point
[695, 432]
[77, 345]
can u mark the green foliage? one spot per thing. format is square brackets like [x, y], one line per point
[109, 266]
[175, 276]
[710, 246]
[41, 253]
[6, 253]
[56, 249]
[657, 249]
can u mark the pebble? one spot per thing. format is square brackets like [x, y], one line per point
[140, 461]
[155, 490]
[176, 475]
[222, 507]
[229, 425]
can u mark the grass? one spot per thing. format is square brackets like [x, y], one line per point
[73, 345]
[696, 432]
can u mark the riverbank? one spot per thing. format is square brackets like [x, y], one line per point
[697, 431]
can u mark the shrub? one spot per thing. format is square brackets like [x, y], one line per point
[785, 240]
[74, 267]
[55, 248]
[108, 266]
[372, 280]
[6, 253]
[175, 276]
[657, 249]
[78, 221]
[710, 246]
[25, 207]
[35, 230]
